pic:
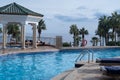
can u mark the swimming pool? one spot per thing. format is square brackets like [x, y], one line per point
[44, 65]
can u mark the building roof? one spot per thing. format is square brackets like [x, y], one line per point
[16, 9]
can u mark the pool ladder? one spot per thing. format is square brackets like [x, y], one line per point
[90, 54]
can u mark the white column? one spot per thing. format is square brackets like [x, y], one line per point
[23, 36]
[34, 35]
[4, 35]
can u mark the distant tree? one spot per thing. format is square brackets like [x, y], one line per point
[95, 41]
[109, 22]
[66, 44]
[115, 23]
[0, 30]
[41, 26]
[111, 36]
[103, 27]
[78, 39]
[75, 31]
[118, 32]
[13, 29]
[83, 32]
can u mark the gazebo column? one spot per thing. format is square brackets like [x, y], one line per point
[34, 35]
[23, 36]
[4, 35]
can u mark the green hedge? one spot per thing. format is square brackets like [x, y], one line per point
[118, 43]
[113, 43]
[66, 44]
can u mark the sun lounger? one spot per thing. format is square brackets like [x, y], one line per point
[111, 69]
[40, 43]
[108, 61]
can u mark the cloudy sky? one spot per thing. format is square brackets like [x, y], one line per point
[60, 14]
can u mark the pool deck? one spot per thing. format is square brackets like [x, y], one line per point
[90, 47]
[90, 71]
[47, 48]
[27, 50]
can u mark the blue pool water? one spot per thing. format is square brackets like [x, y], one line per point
[44, 65]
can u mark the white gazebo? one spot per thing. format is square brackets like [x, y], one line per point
[16, 14]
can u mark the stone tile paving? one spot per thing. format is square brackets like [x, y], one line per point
[90, 71]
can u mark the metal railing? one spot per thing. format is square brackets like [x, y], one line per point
[90, 54]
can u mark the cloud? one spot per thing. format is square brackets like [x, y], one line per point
[98, 14]
[70, 18]
[82, 8]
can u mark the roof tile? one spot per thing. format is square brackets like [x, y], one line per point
[17, 9]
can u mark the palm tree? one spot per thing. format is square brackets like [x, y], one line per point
[118, 32]
[95, 41]
[83, 32]
[75, 31]
[107, 23]
[41, 26]
[99, 32]
[111, 36]
[78, 39]
[13, 29]
[0, 30]
[115, 22]
[104, 26]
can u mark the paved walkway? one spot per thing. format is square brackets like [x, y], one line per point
[19, 50]
[89, 71]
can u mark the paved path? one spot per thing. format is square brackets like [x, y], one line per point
[18, 50]
[89, 72]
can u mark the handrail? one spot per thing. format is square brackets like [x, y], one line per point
[92, 55]
[80, 55]
[83, 53]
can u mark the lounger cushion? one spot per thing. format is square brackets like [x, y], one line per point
[108, 60]
[111, 69]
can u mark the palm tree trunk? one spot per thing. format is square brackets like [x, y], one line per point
[74, 42]
[39, 36]
[106, 39]
[103, 40]
[115, 38]
[114, 32]
[96, 42]
[100, 41]
[93, 42]
[82, 36]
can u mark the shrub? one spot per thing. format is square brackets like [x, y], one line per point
[118, 43]
[66, 44]
[111, 43]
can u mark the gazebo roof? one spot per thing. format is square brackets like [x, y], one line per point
[16, 9]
